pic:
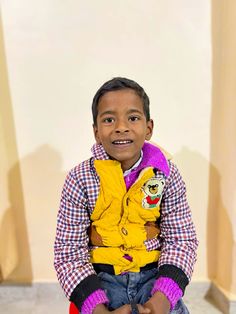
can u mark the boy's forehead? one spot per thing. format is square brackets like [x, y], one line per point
[127, 97]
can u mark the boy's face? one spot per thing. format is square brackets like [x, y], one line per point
[121, 126]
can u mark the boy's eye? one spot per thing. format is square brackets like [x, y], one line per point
[108, 120]
[134, 118]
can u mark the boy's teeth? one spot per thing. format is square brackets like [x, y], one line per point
[121, 142]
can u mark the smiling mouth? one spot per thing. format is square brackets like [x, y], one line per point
[122, 142]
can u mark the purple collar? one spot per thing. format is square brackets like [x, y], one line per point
[152, 157]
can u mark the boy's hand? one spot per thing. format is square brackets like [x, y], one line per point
[102, 309]
[158, 304]
[142, 309]
[124, 309]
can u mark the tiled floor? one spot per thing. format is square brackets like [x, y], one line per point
[37, 299]
[196, 301]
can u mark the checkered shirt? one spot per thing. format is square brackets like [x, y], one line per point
[177, 240]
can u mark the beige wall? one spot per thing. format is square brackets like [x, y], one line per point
[55, 55]
[222, 193]
[15, 262]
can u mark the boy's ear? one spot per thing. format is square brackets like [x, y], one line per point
[149, 130]
[95, 132]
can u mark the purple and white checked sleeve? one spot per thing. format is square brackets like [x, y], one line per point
[71, 259]
[177, 241]
[178, 236]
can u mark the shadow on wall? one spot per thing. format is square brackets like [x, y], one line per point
[15, 261]
[42, 185]
[15, 251]
[194, 169]
[207, 195]
[43, 181]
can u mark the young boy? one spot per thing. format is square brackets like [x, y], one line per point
[125, 238]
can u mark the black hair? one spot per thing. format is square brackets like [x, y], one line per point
[118, 83]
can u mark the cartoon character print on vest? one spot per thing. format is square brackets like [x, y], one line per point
[153, 189]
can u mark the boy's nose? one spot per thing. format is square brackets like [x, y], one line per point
[121, 127]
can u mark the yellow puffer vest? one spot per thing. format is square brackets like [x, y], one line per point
[119, 217]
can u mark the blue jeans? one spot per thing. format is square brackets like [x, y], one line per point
[133, 287]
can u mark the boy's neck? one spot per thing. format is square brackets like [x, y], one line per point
[135, 165]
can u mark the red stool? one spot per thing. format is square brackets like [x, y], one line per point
[73, 309]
